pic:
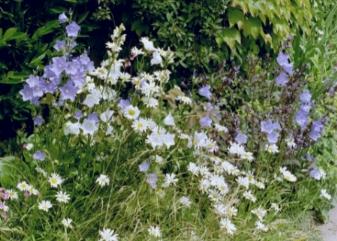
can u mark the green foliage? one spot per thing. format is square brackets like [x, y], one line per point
[27, 36]
[205, 33]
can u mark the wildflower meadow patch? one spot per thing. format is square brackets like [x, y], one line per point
[124, 153]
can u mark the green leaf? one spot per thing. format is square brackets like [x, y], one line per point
[38, 59]
[9, 34]
[3, 161]
[46, 29]
[13, 78]
[235, 16]
[82, 17]
[139, 28]
[231, 37]
[252, 27]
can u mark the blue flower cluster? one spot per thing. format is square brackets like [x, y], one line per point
[65, 74]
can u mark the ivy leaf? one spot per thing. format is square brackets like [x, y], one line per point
[252, 27]
[235, 16]
[230, 36]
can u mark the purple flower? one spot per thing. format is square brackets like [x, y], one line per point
[93, 117]
[205, 121]
[241, 138]
[27, 93]
[272, 130]
[305, 108]
[33, 89]
[63, 18]
[144, 166]
[59, 64]
[273, 137]
[152, 179]
[39, 155]
[73, 29]
[2, 207]
[316, 130]
[78, 114]
[301, 118]
[38, 120]
[89, 126]
[123, 103]
[316, 173]
[4, 195]
[68, 91]
[305, 97]
[205, 91]
[282, 79]
[268, 126]
[59, 45]
[283, 61]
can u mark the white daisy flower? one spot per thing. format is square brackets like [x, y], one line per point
[55, 180]
[170, 179]
[185, 201]
[184, 99]
[13, 195]
[131, 112]
[62, 197]
[287, 175]
[325, 194]
[272, 148]
[23, 186]
[259, 212]
[150, 102]
[66, 222]
[103, 180]
[154, 231]
[193, 168]
[249, 196]
[261, 226]
[140, 125]
[276, 207]
[108, 235]
[45, 205]
[243, 181]
[227, 224]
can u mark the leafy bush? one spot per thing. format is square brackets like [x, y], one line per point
[126, 155]
[204, 33]
[27, 37]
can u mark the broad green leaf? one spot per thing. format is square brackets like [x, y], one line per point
[9, 34]
[231, 37]
[235, 16]
[252, 27]
[3, 161]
